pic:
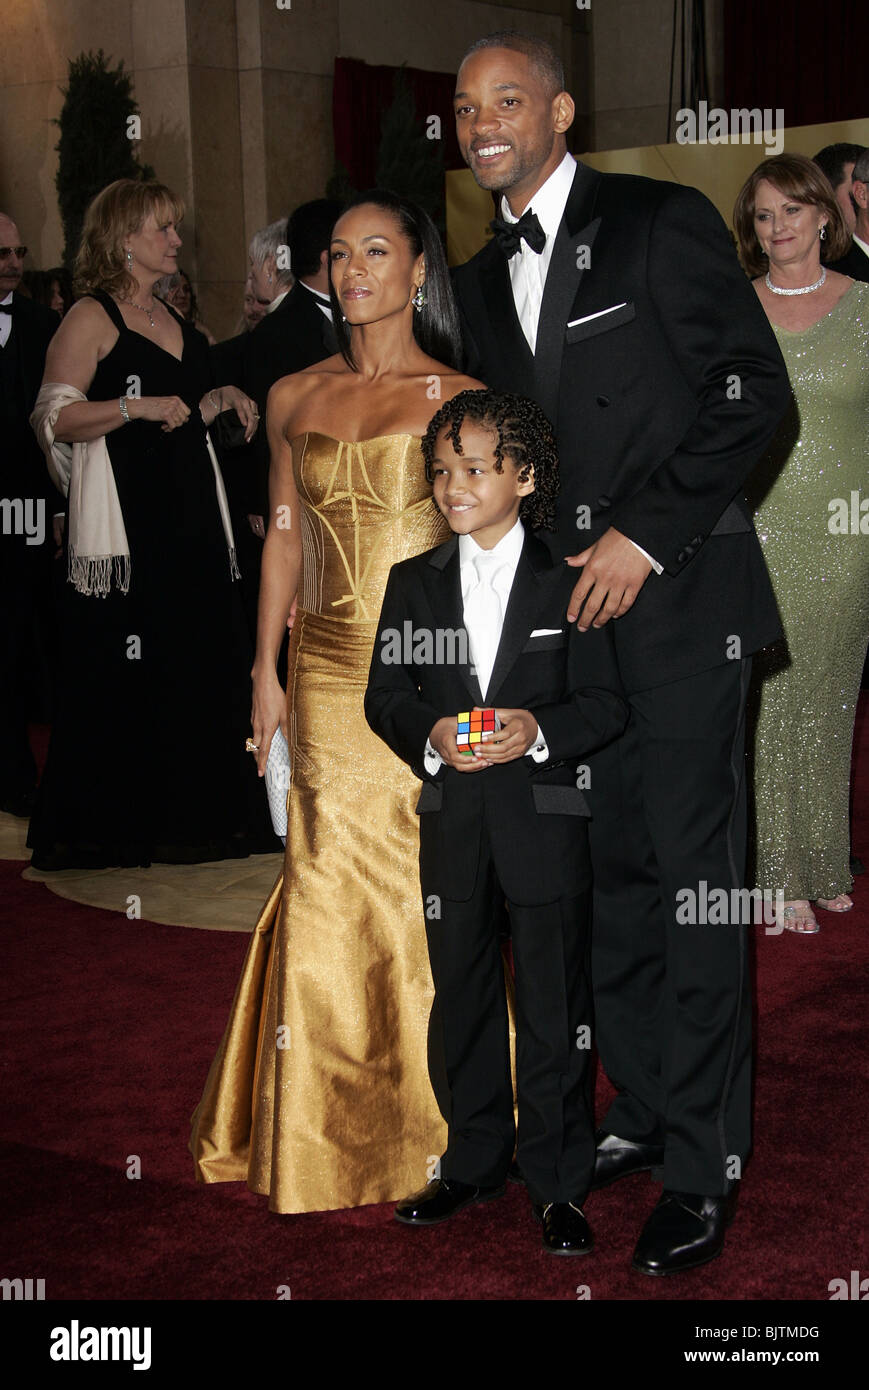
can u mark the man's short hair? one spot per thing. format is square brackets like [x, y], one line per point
[309, 232]
[833, 158]
[543, 57]
[861, 168]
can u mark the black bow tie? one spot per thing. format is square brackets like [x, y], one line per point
[8, 308]
[509, 235]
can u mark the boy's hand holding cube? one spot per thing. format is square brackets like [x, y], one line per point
[460, 740]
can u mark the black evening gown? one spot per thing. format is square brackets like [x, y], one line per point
[146, 759]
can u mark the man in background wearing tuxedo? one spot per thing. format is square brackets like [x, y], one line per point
[855, 262]
[29, 502]
[839, 163]
[297, 329]
[289, 271]
[617, 303]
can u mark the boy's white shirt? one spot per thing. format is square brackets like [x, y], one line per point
[508, 551]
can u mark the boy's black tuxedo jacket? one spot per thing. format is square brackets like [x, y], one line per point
[570, 683]
[663, 400]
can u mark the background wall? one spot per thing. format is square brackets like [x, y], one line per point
[719, 171]
[235, 97]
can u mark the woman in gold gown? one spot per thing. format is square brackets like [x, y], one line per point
[319, 1093]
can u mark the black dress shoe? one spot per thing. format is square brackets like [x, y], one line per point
[685, 1229]
[619, 1158]
[440, 1200]
[565, 1229]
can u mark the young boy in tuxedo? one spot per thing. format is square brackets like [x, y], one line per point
[481, 620]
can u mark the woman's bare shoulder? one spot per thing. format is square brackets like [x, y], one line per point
[290, 396]
[87, 316]
[84, 336]
[329, 366]
[457, 382]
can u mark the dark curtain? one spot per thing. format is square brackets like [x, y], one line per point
[360, 96]
[805, 57]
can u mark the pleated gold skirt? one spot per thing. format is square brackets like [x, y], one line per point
[319, 1094]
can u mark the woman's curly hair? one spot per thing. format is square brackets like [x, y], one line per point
[522, 432]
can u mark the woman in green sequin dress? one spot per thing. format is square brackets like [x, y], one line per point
[806, 688]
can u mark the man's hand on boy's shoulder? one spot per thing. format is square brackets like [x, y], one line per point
[443, 740]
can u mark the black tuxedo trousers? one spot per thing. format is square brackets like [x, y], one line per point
[671, 987]
[469, 1058]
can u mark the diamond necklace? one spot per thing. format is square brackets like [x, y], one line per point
[150, 312]
[805, 289]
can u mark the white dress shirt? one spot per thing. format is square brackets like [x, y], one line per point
[505, 557]
[528, 270]
[5, 321]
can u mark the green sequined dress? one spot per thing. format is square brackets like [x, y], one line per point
[806, 689]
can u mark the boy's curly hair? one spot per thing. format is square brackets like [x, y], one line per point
[522, 432]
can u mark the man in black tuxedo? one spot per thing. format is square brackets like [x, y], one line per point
[29, 502]
[855, 262]
[508, 826]
[839, 163]
[297, 328]
[617, 302]
[295, 332]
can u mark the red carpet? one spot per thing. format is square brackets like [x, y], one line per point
[108, 1030]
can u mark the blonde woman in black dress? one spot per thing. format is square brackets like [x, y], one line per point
[146, 760]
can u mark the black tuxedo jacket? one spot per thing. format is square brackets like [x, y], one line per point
[568, 680]
[227, 359]
[855, 263]
[664, 381]
[295, 336]
[23, 471]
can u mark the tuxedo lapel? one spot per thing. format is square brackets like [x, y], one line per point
[443, 582]
[501, 308]
[305, 303]
[522, 607]
[330, 341]
[571, 256]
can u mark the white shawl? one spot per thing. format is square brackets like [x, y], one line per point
[97, 540]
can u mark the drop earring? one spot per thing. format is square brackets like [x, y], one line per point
[823, 232]
[129, 259]
[419, 299]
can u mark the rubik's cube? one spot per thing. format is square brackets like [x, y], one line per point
[472, 726]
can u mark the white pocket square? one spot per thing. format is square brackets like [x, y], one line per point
[588, 317]
[547, 631]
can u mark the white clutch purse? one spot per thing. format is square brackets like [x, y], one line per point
[278, 783]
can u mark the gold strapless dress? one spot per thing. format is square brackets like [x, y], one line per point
[319, 1093]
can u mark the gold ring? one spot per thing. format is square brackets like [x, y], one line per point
[250, 746]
